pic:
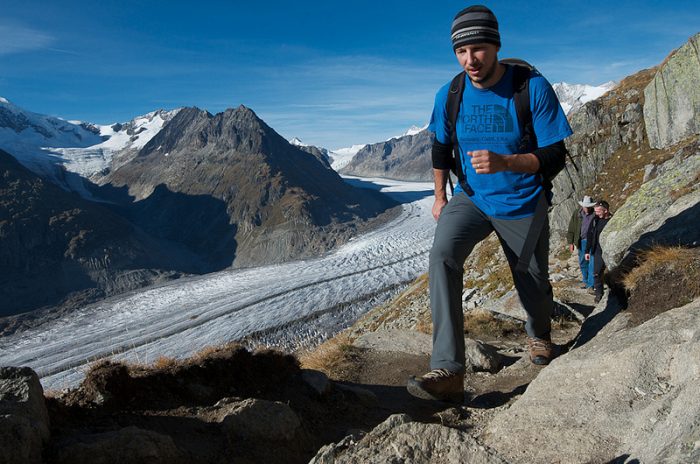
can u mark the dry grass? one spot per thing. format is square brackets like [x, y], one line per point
[164, 362]
[333, 357]
[685, 261]
[425, 324]
[481, 323]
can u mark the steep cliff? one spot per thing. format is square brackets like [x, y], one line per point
[672, 109]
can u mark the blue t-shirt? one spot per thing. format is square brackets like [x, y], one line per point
[487, 120]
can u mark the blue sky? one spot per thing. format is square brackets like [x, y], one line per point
[331, 73]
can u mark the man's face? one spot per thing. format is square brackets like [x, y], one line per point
[480, 61]
[601, 211]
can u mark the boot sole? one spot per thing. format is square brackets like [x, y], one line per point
[415, 390]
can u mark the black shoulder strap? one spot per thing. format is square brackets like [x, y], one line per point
[454, 100]
[522, 71]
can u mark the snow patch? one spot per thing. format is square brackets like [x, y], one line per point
[574, 96]
[342, 156]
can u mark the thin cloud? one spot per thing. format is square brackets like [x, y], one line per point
[17, 39]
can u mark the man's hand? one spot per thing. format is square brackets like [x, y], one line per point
[438, 206]
[571, 247]
[487, 162]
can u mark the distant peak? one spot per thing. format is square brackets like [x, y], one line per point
[296, 141]
[413, 130]
[4, 100]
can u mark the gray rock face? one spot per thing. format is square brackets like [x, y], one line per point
[626, 392]
[672, 99]
[665, 210]
[24, 420]
[403, 158]
[398, 440]
[600, 128]
[129, 445]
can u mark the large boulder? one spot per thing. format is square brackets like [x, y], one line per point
[672, 99]
[628, 393]
[664, 210]
[24, 420]
[254, 419]
[398, 439]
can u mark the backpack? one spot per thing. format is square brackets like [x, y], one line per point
[521, 97]
[528, 142]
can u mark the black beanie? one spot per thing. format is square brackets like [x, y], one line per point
[476, 24]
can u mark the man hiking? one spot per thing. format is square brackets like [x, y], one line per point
[500, 189]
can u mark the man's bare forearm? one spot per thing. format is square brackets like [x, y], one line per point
[525, 162]
[440, 177]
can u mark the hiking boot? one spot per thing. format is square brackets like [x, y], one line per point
[591, 291]
[542, 350]
[438, 385]
[583, 286]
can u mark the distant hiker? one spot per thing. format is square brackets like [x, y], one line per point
[500, 189]
[576, 238]
[593, 248]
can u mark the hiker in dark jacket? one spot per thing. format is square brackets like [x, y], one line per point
[577, 238]
[501, 190]
[593, 248]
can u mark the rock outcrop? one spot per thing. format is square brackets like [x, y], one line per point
[612, 124]
[24, 420]
[627, 393]
[404, 158]
[399, 439]
[664, 211]
[672, 99]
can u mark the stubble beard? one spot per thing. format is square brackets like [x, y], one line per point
[485, 78]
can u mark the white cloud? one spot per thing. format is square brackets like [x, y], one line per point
[16, 39]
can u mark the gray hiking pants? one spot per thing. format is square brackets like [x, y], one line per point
[461, 226]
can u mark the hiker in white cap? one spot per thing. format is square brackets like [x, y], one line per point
[576, 238]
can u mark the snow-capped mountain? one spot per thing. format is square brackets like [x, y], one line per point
[50, 146]
[297, 142]
[573, 96]
[413, 130]
[342, 156]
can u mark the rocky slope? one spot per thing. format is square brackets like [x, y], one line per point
[57, 246]
[254, 197]
[404, 158]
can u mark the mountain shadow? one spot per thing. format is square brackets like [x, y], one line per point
[57, 247]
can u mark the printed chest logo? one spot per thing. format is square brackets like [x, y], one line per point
[479, 119]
